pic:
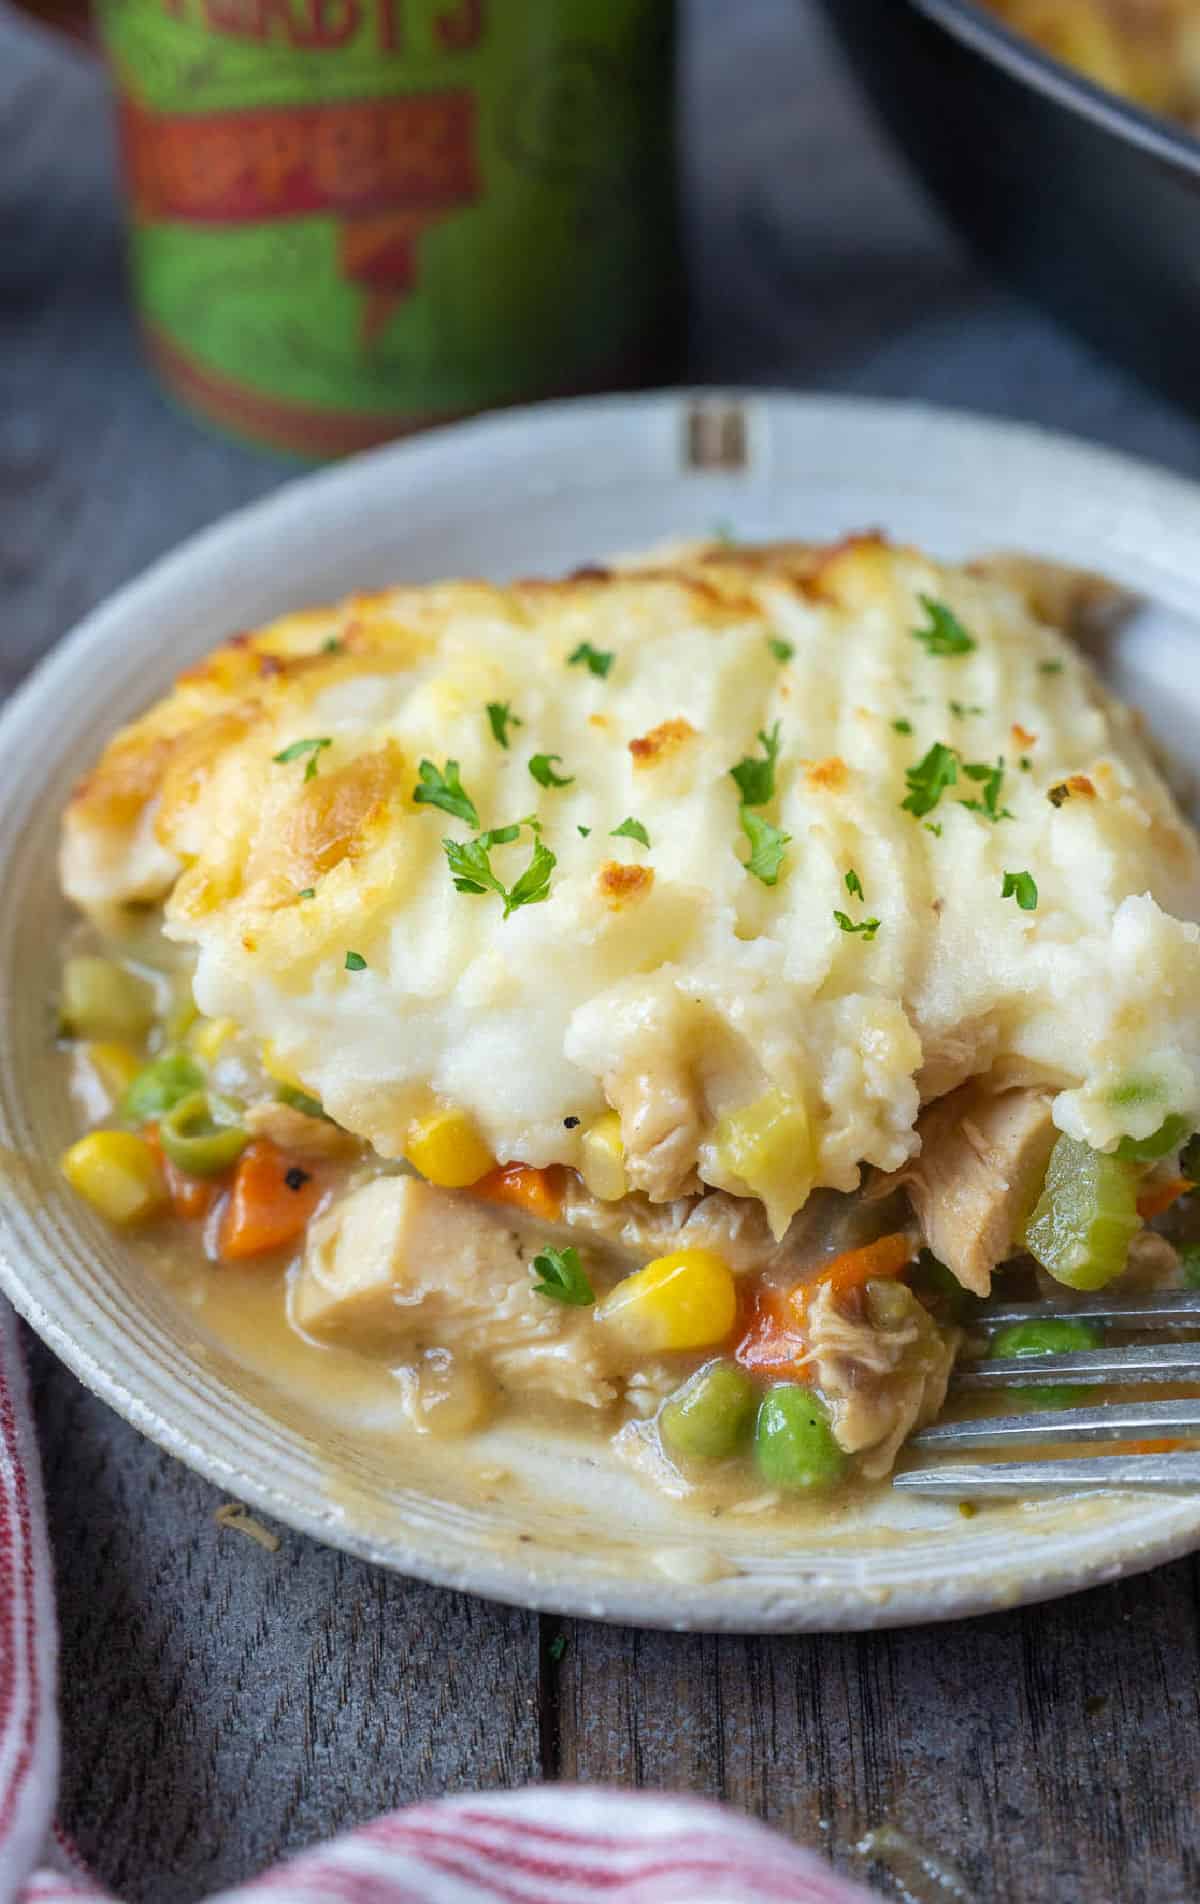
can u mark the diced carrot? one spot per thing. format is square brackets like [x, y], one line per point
[1157, 1197]
[191, 1197]
[537, 1192]
[855, 1268]
[271, 1199]
[773, 1340]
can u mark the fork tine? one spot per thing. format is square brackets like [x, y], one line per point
[1145, 1362]
[1135, 1312]
[1023, 1478]
[1110, 1421]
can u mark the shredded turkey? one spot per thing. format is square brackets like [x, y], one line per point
[398, 1265]
[983, 1159]
[881, 1382]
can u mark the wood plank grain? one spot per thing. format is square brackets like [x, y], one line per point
[223, 1706]
[1048, 1755]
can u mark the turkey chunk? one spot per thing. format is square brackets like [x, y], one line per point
[400, 1265]
[883, 1370]
[982, 1162]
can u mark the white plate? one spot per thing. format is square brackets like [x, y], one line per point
[533, 492]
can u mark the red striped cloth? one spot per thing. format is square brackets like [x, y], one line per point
[560, 1844]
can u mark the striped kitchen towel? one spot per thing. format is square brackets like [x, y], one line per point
[545, 1845]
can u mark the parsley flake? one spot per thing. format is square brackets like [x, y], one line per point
[471, 867]
[902, 727]
[297, 751]
[1023, 888]
[307, 892]
[756, 778]
[630, 829]
[541, 766]
[594, 659]
[962, 708]
[445, 790]
[928, 780]
[854, 885]
[868, 927]
[782, 650]
[1025, 764]
[991, 780]
[500, 719]
[1058, 795]
[332, 645]
[944, 634]
[583, 831]
[768, 845]
[562, 1277]
[931, 828]
[355, 962]
[1050, 667]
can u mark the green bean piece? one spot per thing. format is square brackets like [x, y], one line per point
[200, 1134]
[1052, 1337]
[160, 1085]
[100, 999]
[1160, 1143]
[301, 1101]
[793, 1440]
[1189, 1263]
[1083, 1221]
[711, 1415]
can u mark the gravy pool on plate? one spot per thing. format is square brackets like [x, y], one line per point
[667, 995]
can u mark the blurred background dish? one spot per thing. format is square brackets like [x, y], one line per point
[1087, 200]
[1146, 50]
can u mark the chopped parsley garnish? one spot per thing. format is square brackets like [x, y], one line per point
[500, 719]
[583, 831]
[944, 634]
[307, 892]
[756, 778]
[962, 708]
[990, 779]
[767, 846]
[854, 884]
[1058, 795]
[332, 646]
[1023, 888]
[445, 790]
[1025, 764]
[471, 868]
[541, 766]
[297, 751]
[630, 829]
[355, 962]
[782, 650]
[594, 659]
[902, 727]
[931, 828]
[562, 1277]
[1050, 667]
[868, 927]
[928, 780]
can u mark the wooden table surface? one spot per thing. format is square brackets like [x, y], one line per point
[223, 1705]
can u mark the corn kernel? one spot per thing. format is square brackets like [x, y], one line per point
[602, 1162]
[765, 1150]
[116, 1065]
[275, 1067]
[209, 1036]
[687, 1300]
[447, 1149]
[118, 1174]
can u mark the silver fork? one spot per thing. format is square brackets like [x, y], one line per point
[1174, 1362]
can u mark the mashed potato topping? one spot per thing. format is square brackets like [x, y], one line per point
[765, 972]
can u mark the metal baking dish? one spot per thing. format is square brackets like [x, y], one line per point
[1087, 202]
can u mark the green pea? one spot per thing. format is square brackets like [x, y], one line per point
[1083, 1221]
[160, 1085]
[1189, 1263]
[100, 999]
[1047, 1338]
[711, 1415]
[200, 1134]
[793, 1440]
[1168, 1137]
